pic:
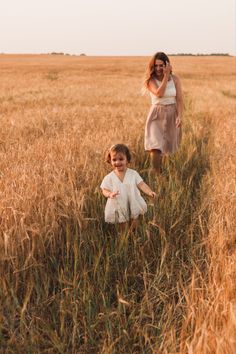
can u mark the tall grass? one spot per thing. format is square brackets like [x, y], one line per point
[70, 283]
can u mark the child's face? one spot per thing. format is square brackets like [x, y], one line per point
[118, 161]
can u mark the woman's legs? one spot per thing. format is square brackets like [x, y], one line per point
[156, 160]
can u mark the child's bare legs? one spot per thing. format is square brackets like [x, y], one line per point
[131, 226]
[123, 226]
[156, 161]
[134, 224]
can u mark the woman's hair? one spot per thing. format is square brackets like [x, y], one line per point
[118, 148]
[150, 72]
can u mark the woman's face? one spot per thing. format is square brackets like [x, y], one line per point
[158, 66]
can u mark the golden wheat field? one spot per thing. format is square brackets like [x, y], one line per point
[69, 282]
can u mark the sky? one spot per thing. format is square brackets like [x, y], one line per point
[121, 27]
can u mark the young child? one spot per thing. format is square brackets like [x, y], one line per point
[122, 188]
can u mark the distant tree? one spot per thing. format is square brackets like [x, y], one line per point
[57, 53]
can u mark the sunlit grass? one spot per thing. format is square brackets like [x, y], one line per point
[70, 282]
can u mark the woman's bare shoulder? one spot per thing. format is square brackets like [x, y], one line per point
[152, 79]
[152, 82]
[175, 77]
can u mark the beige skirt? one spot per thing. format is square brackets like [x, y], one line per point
[161, 132]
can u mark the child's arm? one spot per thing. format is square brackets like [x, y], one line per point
[146, 189]
[109, 194]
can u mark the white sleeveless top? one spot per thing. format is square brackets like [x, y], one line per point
[169, 96]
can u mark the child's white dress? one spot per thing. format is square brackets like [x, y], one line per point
[128, 203]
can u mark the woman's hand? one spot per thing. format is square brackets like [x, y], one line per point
[167, 69]
[178, 122]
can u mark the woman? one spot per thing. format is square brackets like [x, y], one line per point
[163, 125]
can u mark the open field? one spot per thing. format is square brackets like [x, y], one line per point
[68, 283]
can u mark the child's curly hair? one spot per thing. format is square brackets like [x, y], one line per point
[118, 148]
